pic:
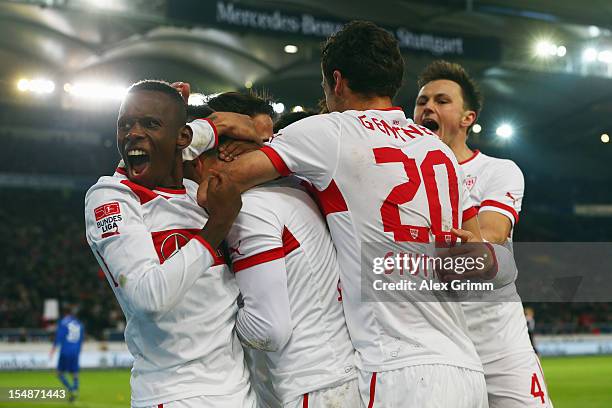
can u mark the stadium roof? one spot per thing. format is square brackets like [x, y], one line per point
[219, 45]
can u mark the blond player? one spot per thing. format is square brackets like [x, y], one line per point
[381, 178]
[157, 249]
[448, 103]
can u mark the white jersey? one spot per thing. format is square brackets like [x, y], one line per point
[497, 329]
[177, 293]
[381, 178]
[287, 272]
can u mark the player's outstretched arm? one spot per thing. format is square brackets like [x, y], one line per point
[223, 205]
[256, 249]
[264, 322]
[495, 227]
[499, 265]
[235, 125]
[247, 171]
[122, 244]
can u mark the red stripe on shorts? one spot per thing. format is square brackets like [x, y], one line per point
[372, 390]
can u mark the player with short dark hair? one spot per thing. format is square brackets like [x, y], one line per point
[244, 103]
[291, 117]
[373, 170]
[69, 339]
[372, 70]
[449, 103]
[157, 248]
[258, 109]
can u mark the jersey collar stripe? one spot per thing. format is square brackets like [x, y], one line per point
[263, 257]
[121, 170]
[144, 194]
[171, 190]
[497, 204]
[471, 157]
[392, 108]
[277, 161]
[469, 214]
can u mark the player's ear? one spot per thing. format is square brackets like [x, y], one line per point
[184, 138]
[338, 82]
[468, 118]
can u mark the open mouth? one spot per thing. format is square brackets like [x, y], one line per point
[431, 124]
[137, 161]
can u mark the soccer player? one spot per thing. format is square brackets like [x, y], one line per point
[69, 339]
[381, 178]
[448, 103]
[156, 246]
[288, 275]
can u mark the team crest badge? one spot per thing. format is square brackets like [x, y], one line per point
[414, 233]
[470, 181]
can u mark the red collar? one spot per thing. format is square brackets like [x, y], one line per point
[471, 157]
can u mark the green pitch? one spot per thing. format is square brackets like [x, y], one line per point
[98, 389]
[573, 382]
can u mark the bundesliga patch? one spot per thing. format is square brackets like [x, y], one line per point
[108, 217]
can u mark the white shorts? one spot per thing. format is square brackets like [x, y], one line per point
[345, 395]
[423, 386]
[243, 399]
[517, 381]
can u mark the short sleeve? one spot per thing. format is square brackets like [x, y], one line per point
[256, 235]
[467, 205]
[204, 137]
[309, 148]
[504, 191]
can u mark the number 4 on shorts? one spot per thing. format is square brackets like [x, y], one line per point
[536, 389]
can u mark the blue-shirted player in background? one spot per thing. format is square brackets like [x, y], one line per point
[69, 338]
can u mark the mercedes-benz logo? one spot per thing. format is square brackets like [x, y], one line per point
[172, 244]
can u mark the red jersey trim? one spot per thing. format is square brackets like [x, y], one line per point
[471, 157]
[121, 170]
[290, 244]
[214, 128]
[107, 269]
[331, 199]
[277, 161]
[392, 108]
[212, 251]
[372, 390]
[469, 214]
[171, 190]
[305, 401]
[497, 204]
[262, 257]
[144, 194]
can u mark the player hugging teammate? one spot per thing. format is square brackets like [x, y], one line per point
[314, 345]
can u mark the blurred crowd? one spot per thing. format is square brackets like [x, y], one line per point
[46, 256]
